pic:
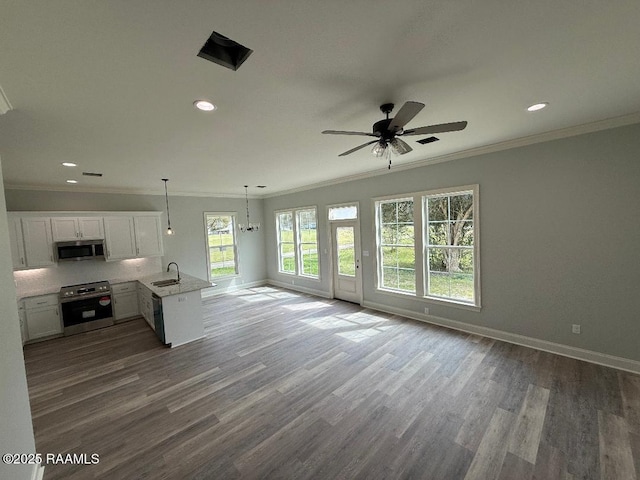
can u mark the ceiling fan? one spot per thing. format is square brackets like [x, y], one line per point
[388, 131]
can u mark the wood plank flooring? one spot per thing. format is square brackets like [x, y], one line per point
[291, 386]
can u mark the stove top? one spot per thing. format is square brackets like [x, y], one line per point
[85, 289]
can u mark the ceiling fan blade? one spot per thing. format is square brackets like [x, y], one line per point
[440, 128]
[342, 132]
[357, 148]
[405, 115]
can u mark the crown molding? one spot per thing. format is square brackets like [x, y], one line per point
[5, 105]
[122, 191]
[606, 124]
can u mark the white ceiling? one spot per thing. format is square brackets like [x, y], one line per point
[110, 84]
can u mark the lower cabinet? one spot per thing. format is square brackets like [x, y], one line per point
[125, 300]
[42, 317]
[145, 304]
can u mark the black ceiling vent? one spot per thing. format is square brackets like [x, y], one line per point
[91, 174]
[224, 51]
[424, 141]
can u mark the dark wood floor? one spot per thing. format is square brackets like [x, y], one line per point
[291, 386]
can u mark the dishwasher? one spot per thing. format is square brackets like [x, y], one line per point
[158, 321]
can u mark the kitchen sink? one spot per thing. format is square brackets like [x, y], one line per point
[165, 283]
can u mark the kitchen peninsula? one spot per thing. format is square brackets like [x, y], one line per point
[174, 311]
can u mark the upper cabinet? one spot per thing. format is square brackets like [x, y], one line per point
[38, 241]
[148, 235]
[119, 238]
[76, 228]
[126, 235]
[16, 240]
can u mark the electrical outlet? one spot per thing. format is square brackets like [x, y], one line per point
[575, 328]
[426, 310]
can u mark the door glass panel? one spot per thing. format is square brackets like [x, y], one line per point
[346, 251]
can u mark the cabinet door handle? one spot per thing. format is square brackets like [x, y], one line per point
[41, 303]
[137, 251]
[21, 260]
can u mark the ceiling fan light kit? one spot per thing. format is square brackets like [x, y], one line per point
[388, 130]
[166, 197]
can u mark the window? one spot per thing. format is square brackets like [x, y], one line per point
[308, 242]
[396, 245]
[440, 261]
[343, 212]
[222, 258]
[449, 250]
[298, 242]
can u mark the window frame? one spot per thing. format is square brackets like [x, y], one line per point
[420, 219]
[379, 245]
[297, 242]
[475, 248]
[233, 216]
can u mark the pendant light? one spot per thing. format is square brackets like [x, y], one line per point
[249, 227]
[166, 197]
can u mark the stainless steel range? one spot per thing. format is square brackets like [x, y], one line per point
[86, 307]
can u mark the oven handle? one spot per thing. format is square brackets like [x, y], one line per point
[83, 297]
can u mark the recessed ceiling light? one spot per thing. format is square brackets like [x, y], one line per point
[204, 105]
[537, 106]
[69, 164]
[72, 181]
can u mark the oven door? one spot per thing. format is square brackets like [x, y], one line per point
[83, 314]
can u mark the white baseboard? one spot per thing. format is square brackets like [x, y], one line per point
[544, 345]
[298, 288]
[214, 291]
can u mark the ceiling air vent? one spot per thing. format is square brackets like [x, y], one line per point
[424, 141]
[91, 174]
[224, 51]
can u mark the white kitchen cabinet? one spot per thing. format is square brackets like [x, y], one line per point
[119, 237]
[77, 228]
[125, 300]
[148, 233]
[42, 316]
[38, 242]
[23, 322]
[16, 240]
[145, 304]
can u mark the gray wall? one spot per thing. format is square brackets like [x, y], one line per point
[559, 230]
[16, 430]
[187, 247]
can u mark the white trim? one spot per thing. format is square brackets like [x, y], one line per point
[298, 288]
[590, 356]
[38, 472]
[5, 104]
[491, 148]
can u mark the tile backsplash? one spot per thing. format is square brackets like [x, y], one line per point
[49, 280]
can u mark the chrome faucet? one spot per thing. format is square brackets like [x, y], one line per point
[177, 268]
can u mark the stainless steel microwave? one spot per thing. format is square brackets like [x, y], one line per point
[79, 250]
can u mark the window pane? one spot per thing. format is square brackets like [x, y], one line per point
[347, 212]
[287, 258]
[223, 261]
[390, 277]
[285, 221]
[388, 212]
[461, 233]
[308, 241]
[389, 234]
[450, 271]
[346, 251]
[439, 233]
[438, 208]
[461, 207]
[221, 244]
[405, 234]
[405, 211]
[309, 253]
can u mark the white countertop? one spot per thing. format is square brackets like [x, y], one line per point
[187, 284]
